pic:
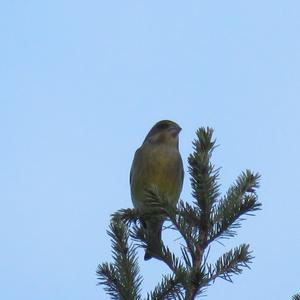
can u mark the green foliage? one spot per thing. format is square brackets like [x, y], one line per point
[240, 200]
[210, 218]
[170, 288]
[231, 263]
[121, 278]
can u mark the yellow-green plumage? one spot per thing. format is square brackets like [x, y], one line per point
[157, 167]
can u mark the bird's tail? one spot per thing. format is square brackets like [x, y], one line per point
[153, 236]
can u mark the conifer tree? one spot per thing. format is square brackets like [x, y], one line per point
[209, 218]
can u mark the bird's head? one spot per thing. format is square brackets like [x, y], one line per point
[164, 131]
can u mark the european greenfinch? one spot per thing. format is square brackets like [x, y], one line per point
[157, 168]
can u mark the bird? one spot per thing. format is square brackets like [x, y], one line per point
[157, 168]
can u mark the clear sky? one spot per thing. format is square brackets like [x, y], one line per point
[81, 84]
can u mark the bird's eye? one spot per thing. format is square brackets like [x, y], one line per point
[162, 126]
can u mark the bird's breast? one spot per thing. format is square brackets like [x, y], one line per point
[157, 168]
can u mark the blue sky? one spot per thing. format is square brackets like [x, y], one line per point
[82, 83]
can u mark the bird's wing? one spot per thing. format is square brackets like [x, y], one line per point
[182, 174]
[136, 155]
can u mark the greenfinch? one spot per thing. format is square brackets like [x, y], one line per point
[157, 168]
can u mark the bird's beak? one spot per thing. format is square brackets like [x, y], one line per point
[175, 130]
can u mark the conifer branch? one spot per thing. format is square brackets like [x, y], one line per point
[121, 278]
[296, 297]
[159, 204]
[128, 215]
[240, 200]
[203, 173]
[107, 276]
[230, 263]
[204, 181]
[208, 219]
[169, 288]
[171, 260]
